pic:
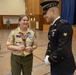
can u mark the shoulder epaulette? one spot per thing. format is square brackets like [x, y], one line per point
[63, 21]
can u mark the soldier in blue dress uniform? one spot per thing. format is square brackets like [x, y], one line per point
[59, 51]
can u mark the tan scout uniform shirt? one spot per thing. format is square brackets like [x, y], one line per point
[15, 38]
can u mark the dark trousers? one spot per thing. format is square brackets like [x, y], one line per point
[19, 63]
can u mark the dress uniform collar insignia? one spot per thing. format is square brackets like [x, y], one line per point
[61, 21]
[64, 34]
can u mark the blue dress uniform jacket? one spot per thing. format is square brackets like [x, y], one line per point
[60, 48]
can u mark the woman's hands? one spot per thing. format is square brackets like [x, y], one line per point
[29, 49]
[21, 47]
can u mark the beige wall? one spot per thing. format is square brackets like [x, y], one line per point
[12, 7]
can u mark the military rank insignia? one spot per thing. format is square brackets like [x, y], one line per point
[64, 34]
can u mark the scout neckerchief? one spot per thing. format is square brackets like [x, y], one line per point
[23, 40]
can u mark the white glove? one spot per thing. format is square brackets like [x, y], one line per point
[46, 60]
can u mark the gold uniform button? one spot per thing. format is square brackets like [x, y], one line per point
[65, 34]
[49, 50]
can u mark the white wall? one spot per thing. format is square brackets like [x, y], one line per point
[12, 7]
